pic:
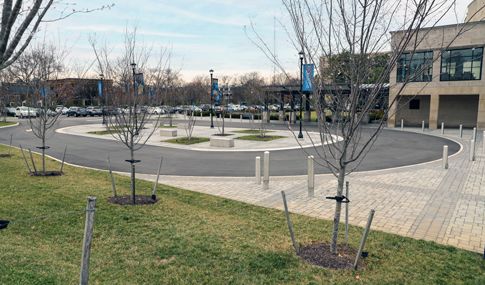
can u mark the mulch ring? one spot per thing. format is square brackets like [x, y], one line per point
[46, 173]
[5, 155]
[126, 200]
[319, 254]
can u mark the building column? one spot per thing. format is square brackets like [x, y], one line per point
[391, 122]
[434, 110]
[481, 113]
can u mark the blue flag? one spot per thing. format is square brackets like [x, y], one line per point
[307, 77]
[100, 89]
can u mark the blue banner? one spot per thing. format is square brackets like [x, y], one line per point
[215, 89]
[100, 89]
[140, 84]
[44, 91]
[308, 77]
[150, 94]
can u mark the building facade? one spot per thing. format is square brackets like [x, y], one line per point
[446, 77]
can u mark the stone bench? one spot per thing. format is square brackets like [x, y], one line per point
[182, 126]
[168, 132]
[222, 142]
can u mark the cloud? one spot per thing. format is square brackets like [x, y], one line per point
[121, 30]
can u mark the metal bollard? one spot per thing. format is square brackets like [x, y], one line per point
[266, 171]
[311, 176]
[474, 134]
[472, 150]
[442, 128]
[364, 238]
[445, 157]
[422, 127]
[461, 131]
[402, 124]
[258, 170]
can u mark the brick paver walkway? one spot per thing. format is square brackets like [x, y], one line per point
[422, 201]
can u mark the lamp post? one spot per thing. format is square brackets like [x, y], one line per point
[300, 135]
[212, 85]
[101, 92]
[134, 98]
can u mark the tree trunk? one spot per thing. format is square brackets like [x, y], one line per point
[132, 170]
[338, 210]
[43, 152]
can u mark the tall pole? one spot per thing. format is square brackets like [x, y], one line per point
[300, 135]
[102, 110]
[211, 111]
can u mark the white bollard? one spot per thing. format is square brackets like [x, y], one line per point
[474, 134]
[402, 124]
[201, 115]
[240, 117]
[311, 176]
[258, 170]
[472, 151]
[442, 128]
[422, 127]
[445, 157]
[266, 171]
[461, 131]
[230, 117]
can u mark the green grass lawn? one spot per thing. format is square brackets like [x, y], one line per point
[185, 141]
[250, 131]
[258, 138]
[105, 132]
[188, 238]
[7, 123]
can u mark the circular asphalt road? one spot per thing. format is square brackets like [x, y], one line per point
[393, 148]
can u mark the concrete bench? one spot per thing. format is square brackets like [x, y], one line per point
[222, 142]
[182, 126]
[168, 132]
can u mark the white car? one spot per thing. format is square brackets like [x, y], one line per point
[22, 112]
[64, 110]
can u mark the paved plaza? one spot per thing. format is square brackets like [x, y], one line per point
[421, 201]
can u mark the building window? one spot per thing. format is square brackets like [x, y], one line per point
[415, 67]
[414, 104]
[461, 64]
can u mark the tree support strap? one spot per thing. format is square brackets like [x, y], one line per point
[340, 199]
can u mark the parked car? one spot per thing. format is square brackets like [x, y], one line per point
[59, 109]
[10, 112]
[157, 110]
[64, 110]
[274, 107]
[49, 112]
[23, 112]
[94, 111]
[205, 107]
[76, 112]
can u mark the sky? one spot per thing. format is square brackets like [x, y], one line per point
[203, 34]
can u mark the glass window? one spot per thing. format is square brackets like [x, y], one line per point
[415, 67]
[461, 64]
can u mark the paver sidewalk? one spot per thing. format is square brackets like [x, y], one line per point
[421, 201]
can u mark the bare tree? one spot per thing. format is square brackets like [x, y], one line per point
[38, 68]
[21, 21]
[131, 73]
[343, 38]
